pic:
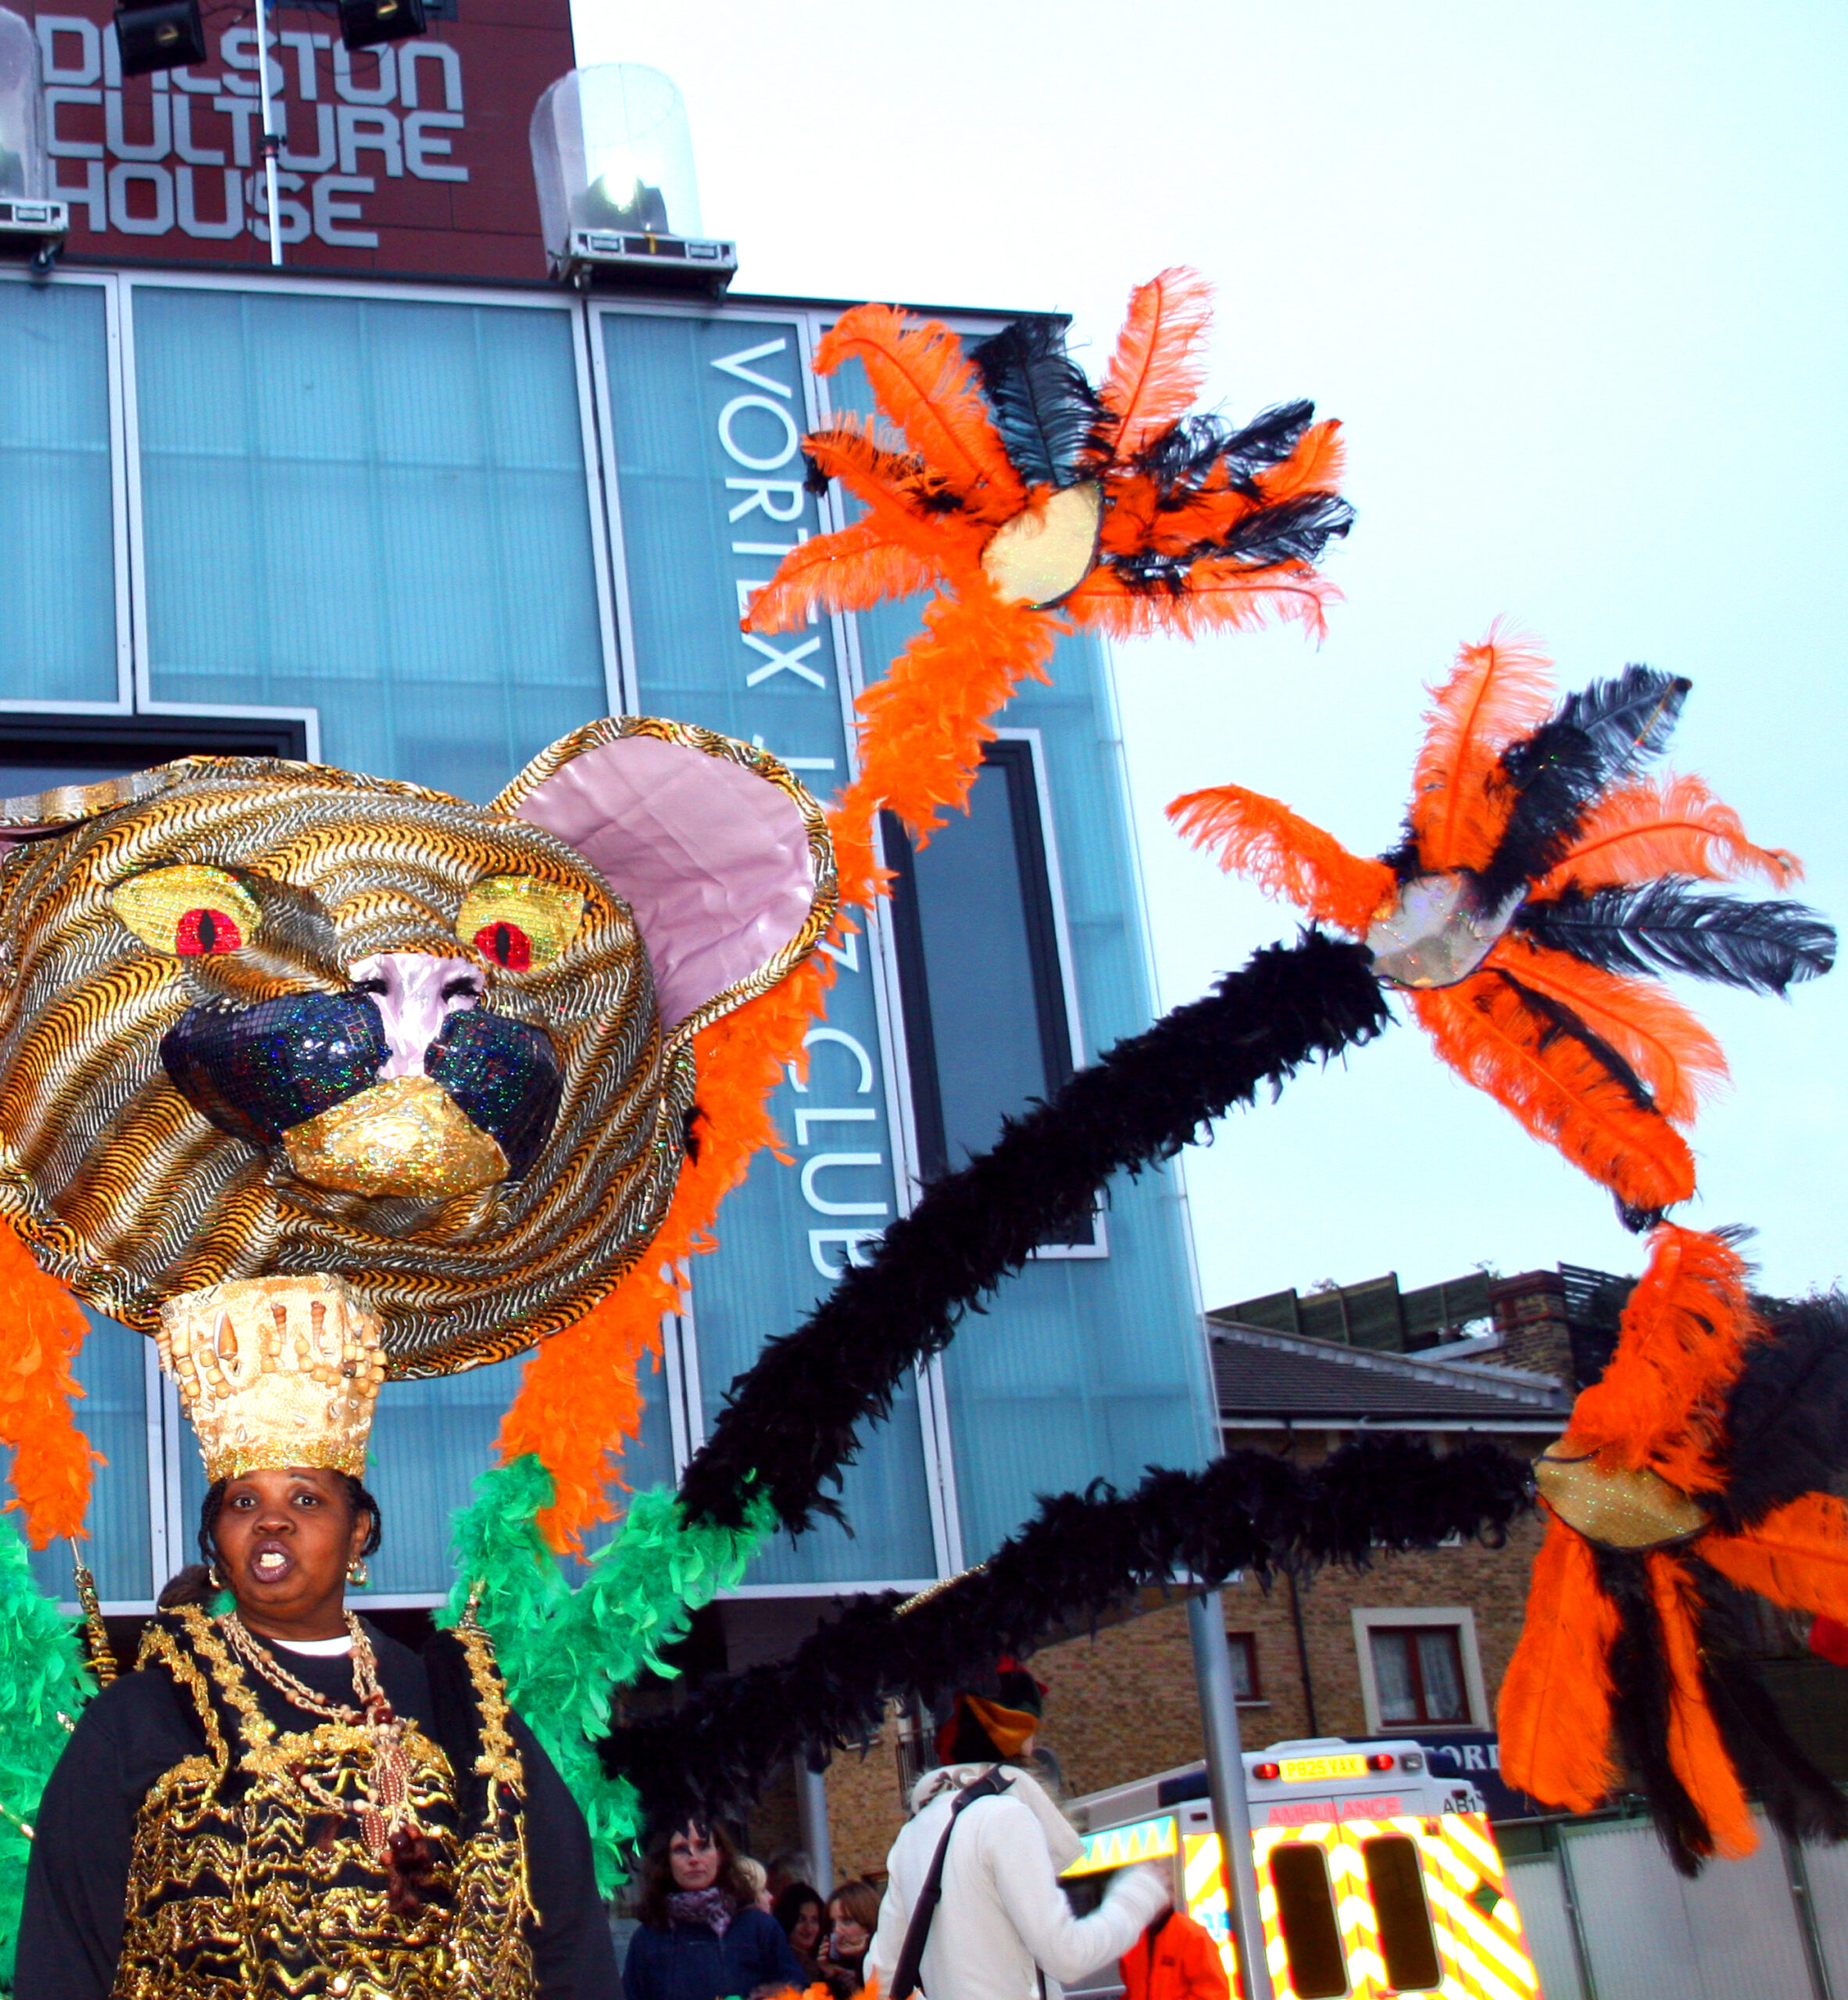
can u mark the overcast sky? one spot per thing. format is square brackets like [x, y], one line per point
[1571, 273]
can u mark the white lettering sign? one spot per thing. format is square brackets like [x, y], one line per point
[347, 124]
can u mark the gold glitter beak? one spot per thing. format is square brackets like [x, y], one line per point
[407, 1136]
[1045, 552]
[1618, 1509]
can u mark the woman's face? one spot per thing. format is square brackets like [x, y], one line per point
[284, 1538]
[849, 1939]
[807, 1932]
[693, 1859]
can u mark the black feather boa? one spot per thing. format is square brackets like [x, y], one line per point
[1082, 1555]
[790, 1424]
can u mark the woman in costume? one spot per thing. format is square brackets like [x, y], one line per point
[281, 1799]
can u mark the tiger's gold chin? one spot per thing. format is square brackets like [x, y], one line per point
[406, 1136]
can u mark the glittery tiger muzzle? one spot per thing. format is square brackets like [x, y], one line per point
[307, 1073]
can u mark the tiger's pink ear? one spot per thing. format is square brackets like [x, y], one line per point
[722, 857]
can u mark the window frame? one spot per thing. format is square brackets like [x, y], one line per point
[1048, 948]
[538, 299]
[115, 360]
[1246, 1643]
[1460, 1619]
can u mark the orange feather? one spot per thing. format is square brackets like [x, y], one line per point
[1156, 374]
[923, 722]
[1661, 1402]
[1498, 692]
[1316, 465]
[1644, 1023]
[1695, 1749]
[1797, 1556]
[1557, 1090]
[1134, 503]
[1287, 856]
[1217, 594]
[44, 1326]
[1554, 1711]
[851, 570]
[1208, 515]
[927, 386]
[852, 451]
[1672, 827]
[578, 1397]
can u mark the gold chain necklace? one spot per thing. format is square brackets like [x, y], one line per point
[388, 1781]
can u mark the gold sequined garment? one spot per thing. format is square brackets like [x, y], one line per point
[244, 1885]
[131, 1197]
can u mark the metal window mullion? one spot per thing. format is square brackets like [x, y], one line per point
[600, 490]
[160, 1545]
[626, 692]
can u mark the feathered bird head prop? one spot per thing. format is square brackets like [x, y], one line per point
[1541, 874]
[1119, 503]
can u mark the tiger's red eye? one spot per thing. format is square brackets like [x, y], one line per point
[206, 934]
[506, 944]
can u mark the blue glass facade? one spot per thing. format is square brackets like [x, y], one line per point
[445, 528]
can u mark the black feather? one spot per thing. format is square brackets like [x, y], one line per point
[1295, 531]
[790, 1423]
[1629, 719]
[1082, 1556]
[1554, 774]
[1187, 450]
[1561, 1020]
[1672, 926]
[1800, 1800]
[1787, 1413]
[1044, 408]
[1640, 1706]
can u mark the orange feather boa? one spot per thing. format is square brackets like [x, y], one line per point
[51, 1458]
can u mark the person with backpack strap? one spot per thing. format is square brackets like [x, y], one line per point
[973, 1908]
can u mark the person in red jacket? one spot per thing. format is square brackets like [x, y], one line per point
[1175, 1958]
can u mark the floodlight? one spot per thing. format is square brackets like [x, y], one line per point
[614, 161]
[365, 23]
[159, 34]
[30, 219]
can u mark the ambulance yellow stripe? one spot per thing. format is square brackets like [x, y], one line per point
[1514, 1961]
[1483, 1977]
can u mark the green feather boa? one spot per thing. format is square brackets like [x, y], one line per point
[564, 1652]
[42, 1675]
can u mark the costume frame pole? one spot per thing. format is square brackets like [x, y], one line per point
[811, 1814]
[272, 144]
[1225, 1785]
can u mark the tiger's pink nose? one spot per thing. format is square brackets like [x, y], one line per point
[415, 993]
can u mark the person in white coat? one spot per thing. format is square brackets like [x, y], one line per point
[1003, 1920]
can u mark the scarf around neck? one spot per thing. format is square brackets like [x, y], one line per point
[710, 1908]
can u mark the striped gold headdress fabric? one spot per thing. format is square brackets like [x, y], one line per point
[131, 1195]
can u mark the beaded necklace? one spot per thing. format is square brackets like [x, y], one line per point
[388, 1780]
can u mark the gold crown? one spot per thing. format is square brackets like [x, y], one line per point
[274, 1371]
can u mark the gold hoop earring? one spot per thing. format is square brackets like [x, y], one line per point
[357, 1574]
[215, 1580]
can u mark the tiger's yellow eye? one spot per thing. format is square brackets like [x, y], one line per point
[188, 912]
[519, 922]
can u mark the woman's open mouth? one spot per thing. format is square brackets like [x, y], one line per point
[269, 1562]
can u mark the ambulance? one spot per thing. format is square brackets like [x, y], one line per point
[1376, 1877]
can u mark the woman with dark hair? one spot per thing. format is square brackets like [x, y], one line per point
[799, 1911]
[280, 1800]
[852, 1916]
[703, 1936]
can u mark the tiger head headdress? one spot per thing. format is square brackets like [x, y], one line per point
[258, 1016]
